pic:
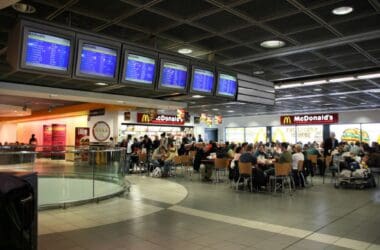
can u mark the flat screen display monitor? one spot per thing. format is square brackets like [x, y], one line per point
[47, 52]
[139, 70]
[173, 75]
[227, 85]
[98, 61]
[203, 81]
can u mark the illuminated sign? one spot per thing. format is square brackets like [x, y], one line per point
[160, 119]
[309, 119]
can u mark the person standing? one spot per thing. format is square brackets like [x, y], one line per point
[200, 138]
[330, 144]
[33, 140]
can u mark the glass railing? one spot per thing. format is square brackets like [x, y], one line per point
[68, 175]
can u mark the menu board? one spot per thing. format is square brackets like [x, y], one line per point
[235, 135]
[346, 132]
[310, 133]
[203, 80]
[98, 61]
[227, 85]
[173, 75]
[47, 52]
[371, 133]
[256, 134]
[140, 69]
[284, 134]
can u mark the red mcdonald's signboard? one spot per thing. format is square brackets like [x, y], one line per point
[309, 119]
[160, 119]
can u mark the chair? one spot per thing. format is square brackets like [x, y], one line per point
[300, 170]
[282, 172]
[187, 165]
[142, 163]
[245, 171]
[220, 164]
[177, 162]
[314, 163]
[328, 160]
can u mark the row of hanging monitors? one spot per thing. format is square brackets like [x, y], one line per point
[80, 56]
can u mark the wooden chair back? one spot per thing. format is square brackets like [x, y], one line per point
[142, 157]
[186, 160]
[192, 154]
[282, 169]
[300, 166]
[313, 159]
[328, 161]
[221, 163]
[177, 160]
[245, 168]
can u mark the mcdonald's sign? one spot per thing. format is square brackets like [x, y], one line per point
[309, 119]
[160, 119]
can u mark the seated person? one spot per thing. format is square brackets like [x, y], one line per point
[231, 151]
[169, 157]
[321, 166]
[296, 157]
[257, 173]
[261, 155]
[159, 155]
[285, 156]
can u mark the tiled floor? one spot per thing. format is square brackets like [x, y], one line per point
[183, 214]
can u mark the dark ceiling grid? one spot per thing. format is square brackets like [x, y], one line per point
[60, 10]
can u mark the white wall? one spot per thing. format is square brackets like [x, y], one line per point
[368, 116]
[8, 132]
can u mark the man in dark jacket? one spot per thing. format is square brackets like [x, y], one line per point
[329, 144]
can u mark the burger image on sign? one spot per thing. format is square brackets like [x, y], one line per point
[353, 135]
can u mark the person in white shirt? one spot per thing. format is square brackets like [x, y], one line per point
[296, 157]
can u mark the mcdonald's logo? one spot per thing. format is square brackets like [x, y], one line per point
[145, 118]
[286, 120]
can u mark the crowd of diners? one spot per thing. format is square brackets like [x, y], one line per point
[262, 156]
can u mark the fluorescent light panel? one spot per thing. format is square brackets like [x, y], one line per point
[343, 79]
[369, 76]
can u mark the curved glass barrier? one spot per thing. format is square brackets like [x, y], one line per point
[68, 174]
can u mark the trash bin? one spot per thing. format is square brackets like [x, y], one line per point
[17, 213]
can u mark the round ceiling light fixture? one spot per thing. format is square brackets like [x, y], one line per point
[258, 72]
[198, 96]
[101, 84]
[185, 51]
[343, 10]
[272, 44]
[24, 8]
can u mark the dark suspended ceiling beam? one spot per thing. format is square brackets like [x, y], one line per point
[305, 48]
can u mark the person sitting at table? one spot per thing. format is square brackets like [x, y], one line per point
[285, 156]
[159, 155]
[261, 155]
[321, 166]
[296, 157]
[231, 150]
[233, 173]
[244, 146]
[168, 159]
[258, 178]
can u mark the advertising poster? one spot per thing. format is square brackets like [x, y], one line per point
[46, 140]
[346, 132]
[284, 134]
[310, 133]
[82, 140]
[59, 140]
[235, 135]
[256, 134]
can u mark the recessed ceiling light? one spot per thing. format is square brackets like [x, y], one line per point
[317, 89]
[315, 101]
[369, 76]
[119, 101]
[342, 79]
[315, 82]
[101, 84]
[342, 97]
[24, 8]
[272, 44]
[343, 10]
[185, 51]
[258, 72]
[362, 103]
[215, 109]
[198, 96]
[230, 111]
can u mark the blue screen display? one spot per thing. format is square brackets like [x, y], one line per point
[203, 80]
[174, 75]
[140, 69]
[98, 61]
[227, 85]
[49, 52]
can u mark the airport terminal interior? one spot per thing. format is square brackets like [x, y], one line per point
[189, 124]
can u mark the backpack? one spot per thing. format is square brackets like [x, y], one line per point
[157, 172]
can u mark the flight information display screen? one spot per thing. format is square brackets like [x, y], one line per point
[203, 80]
[140, 69]
[98, 61]
[48, 52]
[173, 75]
[227, 85]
